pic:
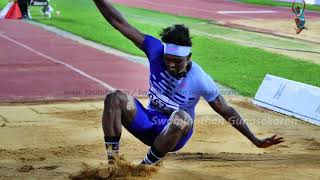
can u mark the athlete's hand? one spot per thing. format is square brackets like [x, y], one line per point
[267, 142]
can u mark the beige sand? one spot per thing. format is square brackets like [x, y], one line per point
[57, 141]
[286, 28]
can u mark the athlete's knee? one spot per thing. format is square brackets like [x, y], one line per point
[180, 120]
[118, 99]
[113, 98]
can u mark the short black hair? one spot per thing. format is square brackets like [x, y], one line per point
[177, 34]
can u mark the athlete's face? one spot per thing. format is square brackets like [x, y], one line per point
[176, 64]
[297, 9]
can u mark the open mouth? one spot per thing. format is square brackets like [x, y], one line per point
[172, 72]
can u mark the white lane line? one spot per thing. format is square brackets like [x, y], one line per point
[177, 6]
[246, 12]
[105, 85]
[204, 10]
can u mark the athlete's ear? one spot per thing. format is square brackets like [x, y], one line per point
[189, 56]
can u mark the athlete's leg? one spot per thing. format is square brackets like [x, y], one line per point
[23, 8]
[180, 123]
[119, 109]
[301, 27]
[297, 21]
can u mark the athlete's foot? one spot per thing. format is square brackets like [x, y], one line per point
[159, 163]
[144, 163]
[113, 158]
[299, 30]
[111, 161]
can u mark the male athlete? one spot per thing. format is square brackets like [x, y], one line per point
[176, 84]
[299, 19]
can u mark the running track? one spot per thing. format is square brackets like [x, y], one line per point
[37, 65]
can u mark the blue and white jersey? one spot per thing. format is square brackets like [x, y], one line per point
[168, 93]
[300, 14]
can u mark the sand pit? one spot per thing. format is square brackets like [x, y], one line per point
[285, 27]
[118, 168]
[64, 140]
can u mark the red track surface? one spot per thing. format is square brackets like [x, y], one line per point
[28, 71]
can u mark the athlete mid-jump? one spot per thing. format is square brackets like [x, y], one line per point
[299, 19]
[176, 85]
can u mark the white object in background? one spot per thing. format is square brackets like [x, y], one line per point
[313, 2]
[5, 10]
[290, 97]
[46, 11]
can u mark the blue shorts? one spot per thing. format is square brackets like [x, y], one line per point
[148, 124]
[301, 24]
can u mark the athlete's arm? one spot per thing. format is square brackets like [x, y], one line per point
[294, 11]
[233, 117]
[114, 17]
[304, 5]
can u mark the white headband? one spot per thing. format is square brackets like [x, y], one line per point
[177, 50]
